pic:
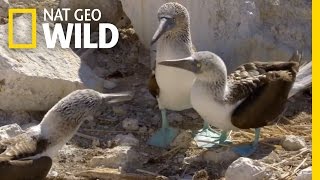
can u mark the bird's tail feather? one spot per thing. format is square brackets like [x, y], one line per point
[303, 79]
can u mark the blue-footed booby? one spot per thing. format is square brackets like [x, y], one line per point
[251, 97]
[29, 155]
[171, 86]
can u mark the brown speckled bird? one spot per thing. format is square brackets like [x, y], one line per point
[253, 96]
[29, 155]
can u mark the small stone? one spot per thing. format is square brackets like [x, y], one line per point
[9, 131]
[200, 175]
[109, 84]
[126, 140]
[119, 110]
[120, 156]
[130, 124]
[220, 155]
[192, 115]
[305, 174]
[4, 5]
[95, 142]
[246, 169]
[155, 119]
[293, 143]
[52, 174]
[183, 139]
[175, 117]
[143, 130]
[272, 158]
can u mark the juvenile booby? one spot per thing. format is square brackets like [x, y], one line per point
[171, 86]
[251, 97]
[29, 155]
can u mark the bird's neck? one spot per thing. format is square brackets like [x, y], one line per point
[215, 84]
[174, 45]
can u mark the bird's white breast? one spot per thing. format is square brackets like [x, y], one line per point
[175, 84]
[215, 113]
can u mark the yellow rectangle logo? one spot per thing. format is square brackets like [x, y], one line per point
[33, 13]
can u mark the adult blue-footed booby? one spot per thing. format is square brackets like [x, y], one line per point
[171, 86]
[251, 97]
[29, 155]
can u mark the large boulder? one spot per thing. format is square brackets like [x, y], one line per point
[4, 5]
[111, 11]
[35, 79]
[238, 31]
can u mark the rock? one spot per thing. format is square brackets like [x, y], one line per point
[109, 84]
[4, 5]
[175, 117]
[183, 139]
[155, 119]
[219, 155]
[130, 124]
[36, 79]
[119, 110]
[246, 169]
[293, 143]
[119, 156]
[111, 12]
[200, 175]
[9, 131]
[52, 174]
[143, 130]
[238, 31]
[126, 140]
[305, 174]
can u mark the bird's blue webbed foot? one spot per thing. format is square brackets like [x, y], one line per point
[208, 137]
[165, 135]
[248, 149]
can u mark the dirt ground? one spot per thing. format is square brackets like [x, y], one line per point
[128, 66]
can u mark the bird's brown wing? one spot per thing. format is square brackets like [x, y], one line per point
[153, 86]
[264, 86]
[22, 146]
[25, 169]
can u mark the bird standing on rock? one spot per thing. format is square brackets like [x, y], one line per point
[29, 155]
[171, 86]
[251, 97]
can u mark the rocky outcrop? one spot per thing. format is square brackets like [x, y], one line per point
[111, 11]
[4, 5]
[35, 79]
[238, 31]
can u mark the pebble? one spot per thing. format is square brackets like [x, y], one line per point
[119, 156]
[305, 174]
[143, 130]
[126, 140]
[109, 84]
[246, 169]
[155, 119]
[183, 139]
[293, 143]
[119, 110]
[130, 124]
[175, 117]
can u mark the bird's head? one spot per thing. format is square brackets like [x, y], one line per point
[203, 64]
[86, 104]
[173, 18]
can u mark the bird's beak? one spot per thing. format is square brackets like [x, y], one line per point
[188, 64]
[118, 97]
[162, 28]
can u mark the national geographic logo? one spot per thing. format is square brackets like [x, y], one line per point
[81, 30]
